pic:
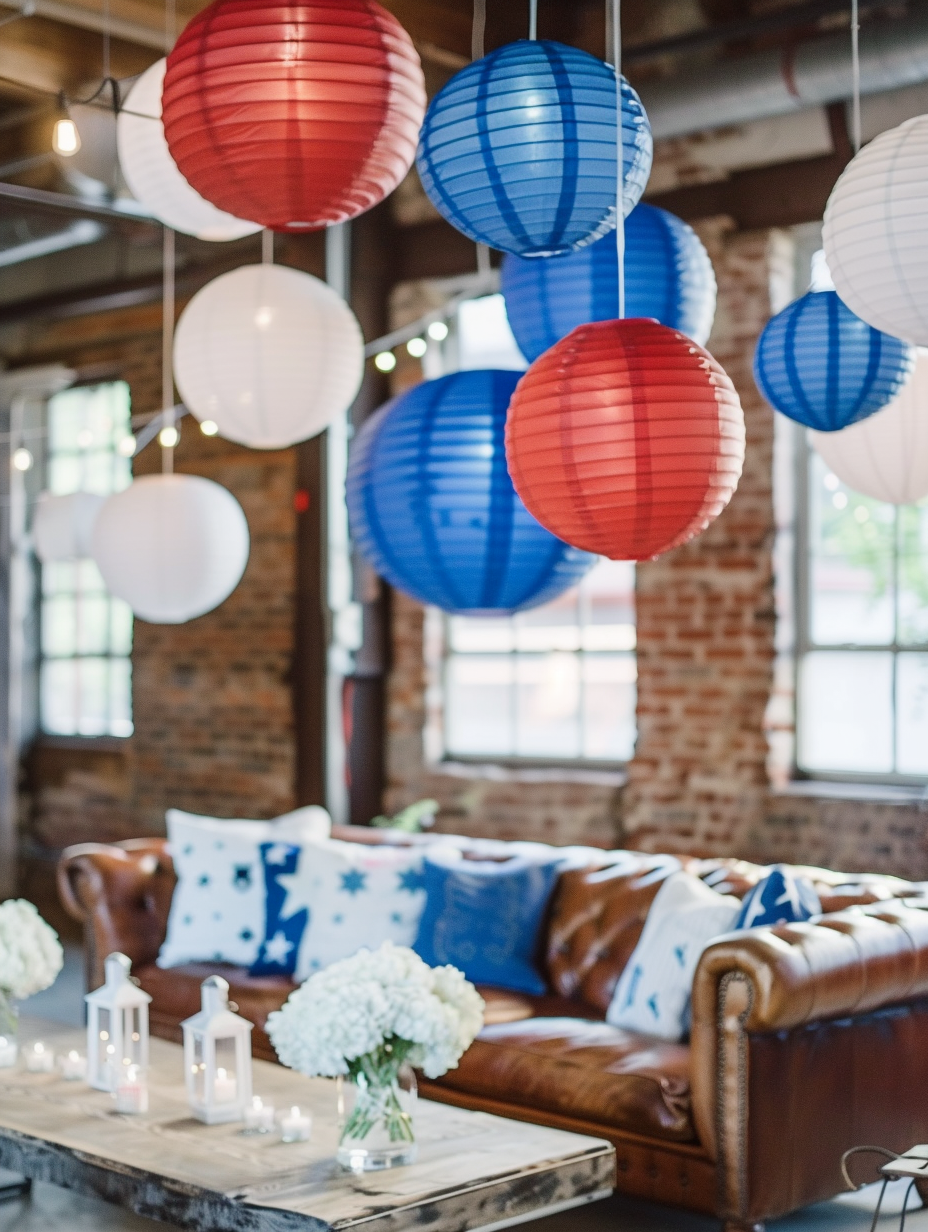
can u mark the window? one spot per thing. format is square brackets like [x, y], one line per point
[862, 688]
[556, 682]
[85, 685]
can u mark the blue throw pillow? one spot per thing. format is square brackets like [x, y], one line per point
[485, 917]
[282, 934]
[779, 898]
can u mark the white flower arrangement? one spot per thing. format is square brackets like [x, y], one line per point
[30, 952]
[374, 1009]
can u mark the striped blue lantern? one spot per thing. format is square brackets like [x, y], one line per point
[668, 276]
[518, 150]
[432, 507]
[820, 364]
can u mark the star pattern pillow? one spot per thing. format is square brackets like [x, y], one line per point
[782, 897]
[218, 910]
[653, 992]
[326, 901]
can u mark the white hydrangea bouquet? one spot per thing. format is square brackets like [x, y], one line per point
[370, 1018]
[30, 958]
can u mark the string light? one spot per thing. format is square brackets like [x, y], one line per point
[66, 140]
[209, 427]
[126, 447]
[168, 437]
[22, 459]
[437, 331]
[417, 347]
[385, 361]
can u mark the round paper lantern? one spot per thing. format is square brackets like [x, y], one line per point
[296, 115]
[875, 232]
[63, 525]
[518, 150]
[668, 276]
[433, 509]
[625, 438]
[152, 173]
[885, 456]
[819, 364]
[270, 354]
[172, 546]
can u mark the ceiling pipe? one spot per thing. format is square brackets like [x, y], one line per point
[776, 83]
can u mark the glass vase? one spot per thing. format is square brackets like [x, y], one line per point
[376, 1118]
[9, 1030]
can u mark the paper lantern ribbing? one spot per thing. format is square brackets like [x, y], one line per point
[874, 232]
[172, 546]
[63, 525]
[886, 455]
[152, 173]
[518, 150]
[818, 363]
[668, 276]
[433, 509]
[270, 354]
[297, 115]
[625, 438]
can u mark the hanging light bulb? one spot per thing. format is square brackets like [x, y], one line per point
[168, 437]
[22, 459]
[66, 140]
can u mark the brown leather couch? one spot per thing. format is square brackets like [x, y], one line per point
[806, 1039]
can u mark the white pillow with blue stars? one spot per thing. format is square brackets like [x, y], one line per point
[653, 992]
[326, 901]
[217, 912]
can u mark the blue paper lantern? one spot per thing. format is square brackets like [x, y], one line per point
[820, 364]
[518, 150]
[433, 509]
[668, 276]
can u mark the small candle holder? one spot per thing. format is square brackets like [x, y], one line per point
[73, 1066]
[259, 1117]
[39, 1058]
[295, 1126]
[131, 1092]
[8, 1052]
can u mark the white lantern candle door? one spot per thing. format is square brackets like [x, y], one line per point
[117, 1025]
[217, 1057]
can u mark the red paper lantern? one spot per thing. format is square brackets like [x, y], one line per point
[625, 438]
[293, 115]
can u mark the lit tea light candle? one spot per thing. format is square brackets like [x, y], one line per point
[225, 1088]
[295, 1127]
[39, 1059]
[8, 1052]
[259, 1117]
[73, 1066]
[131, 1091]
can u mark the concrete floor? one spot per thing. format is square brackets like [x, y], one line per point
[50, 1209]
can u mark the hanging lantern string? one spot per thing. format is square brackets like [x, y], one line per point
[855, 74]
[167, 347]
[267, 246]
[533, 19]
[616, 50]
[478, 29]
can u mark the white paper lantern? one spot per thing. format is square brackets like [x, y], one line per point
[152, 174]
[172, 546]
[886, 455]
[875, 232]
[63, 525]
[270, 354]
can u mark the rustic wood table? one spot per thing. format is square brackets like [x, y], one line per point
[474, 1171]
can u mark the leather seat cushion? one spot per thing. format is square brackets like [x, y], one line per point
[583, 1069]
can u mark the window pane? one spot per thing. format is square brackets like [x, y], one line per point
[478, 702]
[913, 574]
[607, 596]
[92, 676]
[92, 624]
[58, 696]
[59, 628]
[912, 713]
[120, 627]
[484, 337]
[846, 712]
[548, 706]
[609, 726]
[851, 563]
[120, 697]
[470, 635]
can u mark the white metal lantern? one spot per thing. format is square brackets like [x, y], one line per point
[117, 1025]
[172, 546]
[270, 354]
[63, 525]
[152, 174]
[874, 232]
[217, 1057]
[886, 455]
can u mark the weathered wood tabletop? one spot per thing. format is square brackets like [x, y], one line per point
[474, 1171]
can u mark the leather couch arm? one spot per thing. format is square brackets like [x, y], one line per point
[835, 966]
[122, 893]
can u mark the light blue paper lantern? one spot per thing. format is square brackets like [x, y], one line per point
[668, 276]
[518, 150]
[821, 365]
[432, 507]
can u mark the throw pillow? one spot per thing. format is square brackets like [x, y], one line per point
[653, 992]
[485, 917]
[217, 912]
[781, 897]
[326, 901]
